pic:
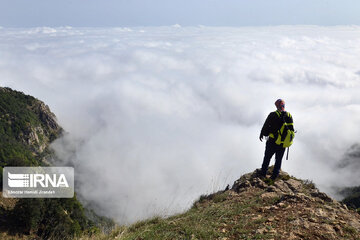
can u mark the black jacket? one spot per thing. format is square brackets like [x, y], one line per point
[273, 123]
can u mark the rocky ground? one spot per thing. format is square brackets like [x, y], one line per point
[298, 210]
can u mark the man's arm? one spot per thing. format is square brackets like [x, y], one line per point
[265, 130]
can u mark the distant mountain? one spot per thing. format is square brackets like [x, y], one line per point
[351, 197]
[288, 208]
[351, 161]
[351, 158]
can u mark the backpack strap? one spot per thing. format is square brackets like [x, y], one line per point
[278, 113]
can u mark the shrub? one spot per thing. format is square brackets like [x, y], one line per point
[28, 213]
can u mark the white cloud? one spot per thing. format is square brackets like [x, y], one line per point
[158, 116]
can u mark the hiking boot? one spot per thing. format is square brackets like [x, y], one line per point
[273, 178]
[259, 174]
[262, 177]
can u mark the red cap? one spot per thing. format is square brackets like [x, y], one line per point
[280, 105]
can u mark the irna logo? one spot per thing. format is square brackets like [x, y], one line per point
[37, 180]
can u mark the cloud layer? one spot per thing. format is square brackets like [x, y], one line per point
[157, 116]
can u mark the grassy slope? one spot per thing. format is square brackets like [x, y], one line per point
[252, 214]
[225, 215]
[222, 216]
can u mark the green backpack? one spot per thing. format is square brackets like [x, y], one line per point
[285, 135]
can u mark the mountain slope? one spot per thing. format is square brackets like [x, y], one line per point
[27, 127]
[287, 209]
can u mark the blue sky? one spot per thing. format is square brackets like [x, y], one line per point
[110, 13]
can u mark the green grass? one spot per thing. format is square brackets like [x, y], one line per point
[350, 230]
[213, 217]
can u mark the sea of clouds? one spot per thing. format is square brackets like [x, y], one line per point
[155, 117]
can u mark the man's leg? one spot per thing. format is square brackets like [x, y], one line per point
[279, 153]
[269, 152]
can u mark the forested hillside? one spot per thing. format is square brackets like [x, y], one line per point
[27, 127]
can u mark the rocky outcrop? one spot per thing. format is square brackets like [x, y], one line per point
[48, 130]
[29, 119]
[46, 116]
[297, 209]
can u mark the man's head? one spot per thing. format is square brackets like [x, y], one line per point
[280, 105]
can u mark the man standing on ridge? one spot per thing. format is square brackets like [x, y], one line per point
[271, 128]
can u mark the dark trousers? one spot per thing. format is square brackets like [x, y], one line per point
[271, 149]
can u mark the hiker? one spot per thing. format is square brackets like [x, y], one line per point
[271, 129]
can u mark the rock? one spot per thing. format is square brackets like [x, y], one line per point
[354, 223]
[305, 224]
[296, 222]
[271, 189]
[343, 222]
[328, 208]
[281, 204]
[264, 209]
[294, 185]
[320, 213]
[261, 230]
[273, 231]
[274, 208]
[321, 196]
[282, 186]
[48, 118]
[328, 228]
[269, 195]
[292, 236]
[242, 186]
[338, 230]
[298, 209]
[304, 197]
